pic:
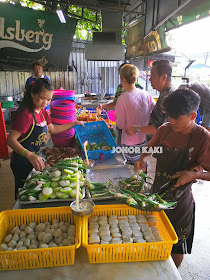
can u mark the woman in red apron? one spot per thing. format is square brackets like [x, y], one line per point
[29, 129]
[184, 146]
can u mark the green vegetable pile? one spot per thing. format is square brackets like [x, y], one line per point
[129, 191]
[142, 201]
[134, 183]
[100, 146]
[97, 189]
[57, 182]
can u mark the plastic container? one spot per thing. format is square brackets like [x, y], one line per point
[111, 115]
[63, 105]
[63, 141]
[59, 120]
[25, 259]
[112, 253]
[61, 94]
[7, 104]
[62, 112]
[96, 132]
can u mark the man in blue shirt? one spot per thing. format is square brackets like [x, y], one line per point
[37, 68]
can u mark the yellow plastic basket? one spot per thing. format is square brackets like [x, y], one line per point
[111, 253]
[24, 259]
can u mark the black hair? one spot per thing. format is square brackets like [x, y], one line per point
[181, 102]
[163, 66]
[37, 63]
[35, 88]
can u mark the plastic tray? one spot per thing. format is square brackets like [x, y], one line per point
[96, 132]
[25, 259]
[50, 200]
[112, 172]
[112, 253]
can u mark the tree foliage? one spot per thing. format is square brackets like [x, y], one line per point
[84, 29]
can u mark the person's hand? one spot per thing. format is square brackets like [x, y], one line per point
[36, 161]
[184, 177]
[79, 123]
[139, 166]
[100, 107]
[131, 130]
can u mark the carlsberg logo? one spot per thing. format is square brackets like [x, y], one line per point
[21, 35]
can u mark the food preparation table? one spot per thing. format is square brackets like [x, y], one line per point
[156, 270]
[82, 269]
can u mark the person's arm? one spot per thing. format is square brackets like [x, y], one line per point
[112, 105]
[107, 107]
[202, 159]
[187, 176]
[54, 129]
[144, 157]
[149, 129]
[12, 141]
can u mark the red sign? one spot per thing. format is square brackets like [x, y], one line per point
[4, 152]
[150, 63]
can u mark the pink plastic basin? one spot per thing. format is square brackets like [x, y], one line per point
[111, 115]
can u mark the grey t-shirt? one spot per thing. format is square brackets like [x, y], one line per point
[158, 117]
[204, 108]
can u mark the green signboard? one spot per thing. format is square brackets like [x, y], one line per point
[137, 45]
[27, 35]
[191, 12]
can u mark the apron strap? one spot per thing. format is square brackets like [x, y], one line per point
[29, 132]
[44, 120]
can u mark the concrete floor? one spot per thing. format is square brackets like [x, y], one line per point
[7, 189]
[194, 267]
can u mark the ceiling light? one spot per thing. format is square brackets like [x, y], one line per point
[61, 16]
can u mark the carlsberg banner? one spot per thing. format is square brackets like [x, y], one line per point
[27, 35]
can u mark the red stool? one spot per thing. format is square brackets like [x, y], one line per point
[4, 151]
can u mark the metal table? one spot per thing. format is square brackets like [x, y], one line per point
[82, 269]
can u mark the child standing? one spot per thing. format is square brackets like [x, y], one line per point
[29, 129]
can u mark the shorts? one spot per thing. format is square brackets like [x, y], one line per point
[133, 156]
[186, 247]
[119, 136]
